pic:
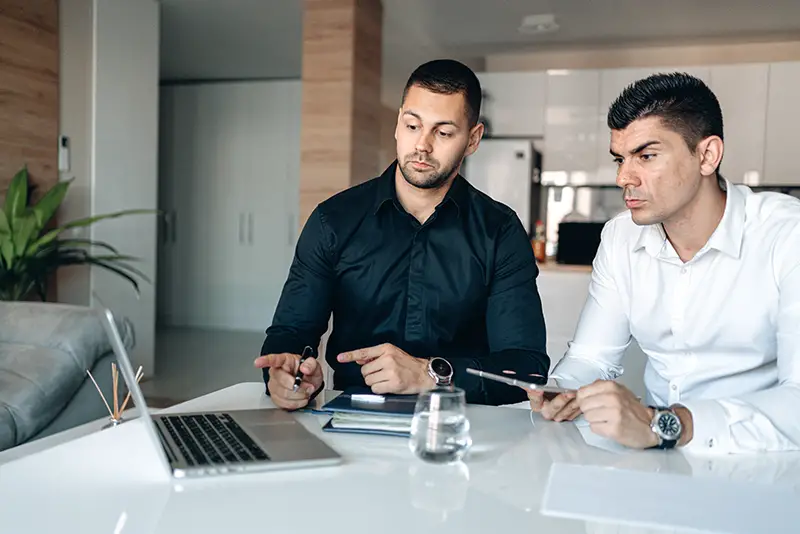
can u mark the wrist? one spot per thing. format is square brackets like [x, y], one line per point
[426, 381]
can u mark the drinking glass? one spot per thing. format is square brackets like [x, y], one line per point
[440, 428]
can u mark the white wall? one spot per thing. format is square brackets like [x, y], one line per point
[109, 111]
[124, 165]
[76, 43]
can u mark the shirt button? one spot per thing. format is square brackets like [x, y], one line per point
[683, 270]
[674, 387]
[710, 442]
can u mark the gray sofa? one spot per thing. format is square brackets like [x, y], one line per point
[45, 350]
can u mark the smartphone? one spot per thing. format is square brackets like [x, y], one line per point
[550, 387]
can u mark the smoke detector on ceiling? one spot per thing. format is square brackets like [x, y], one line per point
[538, 24]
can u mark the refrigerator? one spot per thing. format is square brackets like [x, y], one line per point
[508, 170]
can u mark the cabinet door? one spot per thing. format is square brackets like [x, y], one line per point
[514, 103]
[570, 153]
[783, 116]
[742, 94]
[178, 181]
[268, 197]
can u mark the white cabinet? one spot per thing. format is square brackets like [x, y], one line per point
[514, 103]
[570, 139]
[742, 94]
[783, 116]
[229, 185]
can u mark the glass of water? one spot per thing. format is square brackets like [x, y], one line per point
[440, 428]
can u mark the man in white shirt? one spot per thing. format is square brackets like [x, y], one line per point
[704, 274]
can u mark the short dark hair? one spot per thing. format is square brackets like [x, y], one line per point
[684, 103]
[447, 77]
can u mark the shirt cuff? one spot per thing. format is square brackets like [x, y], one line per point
[710, 428]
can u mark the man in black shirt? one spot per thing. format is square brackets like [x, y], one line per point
[425, 275]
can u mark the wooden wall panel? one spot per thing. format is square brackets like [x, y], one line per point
[29, 95]
[340, 132]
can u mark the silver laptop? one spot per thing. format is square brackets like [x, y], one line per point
[203, 444]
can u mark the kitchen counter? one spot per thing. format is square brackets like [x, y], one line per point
[551, 265]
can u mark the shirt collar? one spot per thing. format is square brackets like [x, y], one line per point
[458, 194]
[727, 238]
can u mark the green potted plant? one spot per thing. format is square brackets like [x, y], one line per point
[31, 251]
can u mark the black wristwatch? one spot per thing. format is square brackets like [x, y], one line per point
[441, 371]
[667, 426]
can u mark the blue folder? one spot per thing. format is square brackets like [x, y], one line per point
[363, 401]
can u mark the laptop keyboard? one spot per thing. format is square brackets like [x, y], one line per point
[212, 439]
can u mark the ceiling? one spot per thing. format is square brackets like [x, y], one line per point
[234, 39]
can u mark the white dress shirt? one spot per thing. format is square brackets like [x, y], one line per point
[721, 331]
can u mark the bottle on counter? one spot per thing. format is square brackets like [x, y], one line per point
[539, 242]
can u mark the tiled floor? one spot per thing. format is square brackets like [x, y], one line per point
[192, 362]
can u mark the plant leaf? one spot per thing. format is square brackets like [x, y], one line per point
[49, 203]
[91, 220]
[43, 241]
[117, 270]
[88, 243]
[24, 228]
[7, 250]
[4, 227]
[17, 195]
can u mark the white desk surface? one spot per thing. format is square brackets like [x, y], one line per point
[519, 477]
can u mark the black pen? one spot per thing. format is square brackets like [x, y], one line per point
[308, 352]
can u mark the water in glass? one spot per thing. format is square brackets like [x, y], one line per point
[440, 428]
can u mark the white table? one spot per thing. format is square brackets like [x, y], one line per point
[381, 487]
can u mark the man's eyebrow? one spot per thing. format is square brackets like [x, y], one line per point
[637, 149]
[440, 123]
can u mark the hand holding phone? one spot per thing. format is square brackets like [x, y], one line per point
[548, 397]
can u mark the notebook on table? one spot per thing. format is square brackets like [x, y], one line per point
[358, 410]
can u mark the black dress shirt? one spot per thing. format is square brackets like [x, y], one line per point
[462, 286]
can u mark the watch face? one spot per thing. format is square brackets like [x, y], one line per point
[441, 367]
[669, 425]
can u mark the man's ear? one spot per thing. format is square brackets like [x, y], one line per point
[710, 151]
[475, 136]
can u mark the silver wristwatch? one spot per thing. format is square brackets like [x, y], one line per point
[667, 426]
[441, 371]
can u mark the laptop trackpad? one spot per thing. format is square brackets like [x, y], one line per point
[252, 418]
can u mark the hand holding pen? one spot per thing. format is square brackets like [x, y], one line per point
[308, 352]
[284, 387]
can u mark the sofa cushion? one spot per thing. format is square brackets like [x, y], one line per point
[45, 350]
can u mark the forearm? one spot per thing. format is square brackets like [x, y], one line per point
[521, 362]
[579, 368]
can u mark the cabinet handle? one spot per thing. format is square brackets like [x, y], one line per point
[174, 226]
[241, 228]
[250, 218]
[165, 228]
